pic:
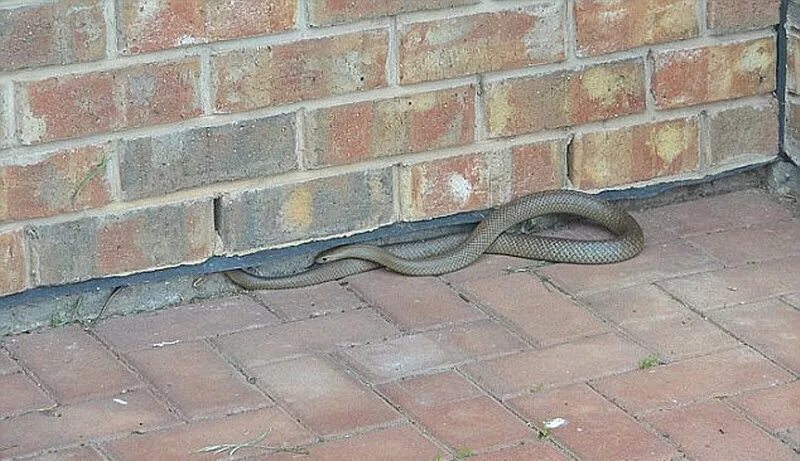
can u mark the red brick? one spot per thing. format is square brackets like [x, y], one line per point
[537, 167]
[564, 98]
[122, 242]
[632, 154]
[63, 181]
[310, 302]
[72, 454]
[738, 285]
[255, 218]
[744, 133]
[793, 64]
[12, 259]
[713, 431]
[413, 302]
[457, 413]
[716, 375]
[605, 27]
[257, 347]
[481, 43]
[775, 408]
[446, 186]
[196, 380]
[328, 12]
[736, 247]
[308, 69]
[181, 442]
[654, 230]
[567, 363]
[58, 32]
[656, 262]
[733, 15]
[184, 323]
[713, 73]
[324, 398]
[107, 101]
[544, 316]
[394, 444]
[793, 300]
[20, 395]
[528, 451]
[78, 423]
[634, 304]
[770, 326]
[72, 364]
[595, 428]
[7, 364]
[487, 266]
[719, 213]
[387, 127]
[145, 26]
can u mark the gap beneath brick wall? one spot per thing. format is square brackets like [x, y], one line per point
[639, 197]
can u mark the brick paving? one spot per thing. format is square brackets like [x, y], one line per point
[691, 351]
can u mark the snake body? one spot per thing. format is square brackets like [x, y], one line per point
[451, 253]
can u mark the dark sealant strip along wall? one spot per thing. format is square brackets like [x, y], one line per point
[782, 69]
[219, 264]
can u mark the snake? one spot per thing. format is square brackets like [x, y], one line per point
[450, 253]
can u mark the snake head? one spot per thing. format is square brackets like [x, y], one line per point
[327, 256]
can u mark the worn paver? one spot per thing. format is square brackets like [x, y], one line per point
[689, 351]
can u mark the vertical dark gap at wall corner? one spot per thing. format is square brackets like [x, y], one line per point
[217, 215]
[782, 70]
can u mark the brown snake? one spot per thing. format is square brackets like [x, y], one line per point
[451, 253]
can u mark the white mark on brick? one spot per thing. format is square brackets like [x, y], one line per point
[120, 401]
[545, 39]
[460, 188]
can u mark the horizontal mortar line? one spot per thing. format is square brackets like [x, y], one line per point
[207, 192]
[464, 11]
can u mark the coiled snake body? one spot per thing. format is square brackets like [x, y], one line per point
[451, 253]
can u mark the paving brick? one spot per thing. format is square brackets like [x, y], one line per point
[654, 230]
[122, 242]
[567, 363]
[446, 186]
[145, 26]
[656, 262]
[737, 285]
[721, 374]
[257, 347]
[530, 450]
[372, 129]
[713, 431]
[737, 247]
[479, 43]
[20, 395]
[537, 167]
[258, 218]
[310, 302]
[394, 444]
[158, 165]
[178, 443]
[487, 266]
[62, 181]
[184, 323]
[726, 16]
[793, 300]
[196, 380]
[595, 428]
[106, 101]
[308, 69]
[71, 454]
[544, 316]
[58, 32]
[713, 73]
[328, 12]
[774, 408]
[7, 364]
[638, 153]
[605, 27]
[639, 303]
[325, 398]
[743, 133]
[72, 364]
[12, 259]
[769, 326]
[564, 98]
[460, 416]
[78, 423]
[413, 302]
[680, 336]
[718, 213]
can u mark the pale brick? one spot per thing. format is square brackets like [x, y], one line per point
[743, 133]
[725, 16]
[12, 259]
[481, 43]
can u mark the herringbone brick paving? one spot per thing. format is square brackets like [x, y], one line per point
[690, 351]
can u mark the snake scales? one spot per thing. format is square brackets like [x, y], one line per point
[451, 253]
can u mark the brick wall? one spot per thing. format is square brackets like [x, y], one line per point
[792, 139]
[142, 134]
